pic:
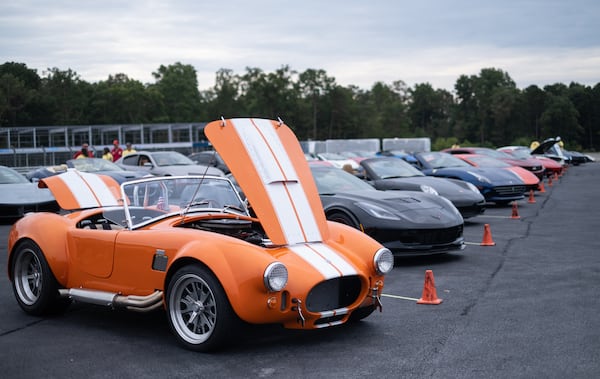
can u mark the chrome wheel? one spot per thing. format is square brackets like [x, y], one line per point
[192, 308]
[28, 276]
[198, 310]
[34, 284]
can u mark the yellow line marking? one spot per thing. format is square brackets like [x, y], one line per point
[399, 297]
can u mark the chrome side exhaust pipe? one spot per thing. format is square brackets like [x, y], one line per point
[108, 299]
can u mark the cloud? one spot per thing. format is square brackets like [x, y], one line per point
[357, 42]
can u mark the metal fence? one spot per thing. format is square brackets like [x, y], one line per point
[52, 145]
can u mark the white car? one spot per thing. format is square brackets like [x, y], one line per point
[165, 163]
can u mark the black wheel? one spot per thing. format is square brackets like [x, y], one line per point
[34, 284]
[361, 313]
[198, 310]
[342, 218]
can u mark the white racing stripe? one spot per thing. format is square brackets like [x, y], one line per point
[323, 259]
[280, 180]
[88, 189]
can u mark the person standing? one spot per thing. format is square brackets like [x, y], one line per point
[128, 149]
[85, 152]
[107, 155]
[116, 151]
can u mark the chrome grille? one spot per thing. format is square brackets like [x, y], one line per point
[510, 190]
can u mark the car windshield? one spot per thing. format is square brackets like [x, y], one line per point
[10, 176]
[392, 168]
[442, 160]
[521, 153]
[331, 180]
[492, 153]
[93, 165]
[155, 198]
[486, 161]
[171, 158]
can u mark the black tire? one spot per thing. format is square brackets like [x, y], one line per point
[342, 218]
[34, 284]
[198, 310]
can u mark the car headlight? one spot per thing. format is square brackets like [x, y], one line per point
[472, 187]
[376, 211]
[275, 276]
[383, 261]
[428, 189]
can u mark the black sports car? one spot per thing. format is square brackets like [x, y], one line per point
[395, 174]
[406, 222]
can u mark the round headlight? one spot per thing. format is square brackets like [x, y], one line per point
[384, 261]
[275, 276]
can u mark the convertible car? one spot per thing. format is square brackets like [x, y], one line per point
[497, 186]
[406, 222]
[188, 245]
[396, 174]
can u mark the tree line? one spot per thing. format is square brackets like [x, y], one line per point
[485, 109]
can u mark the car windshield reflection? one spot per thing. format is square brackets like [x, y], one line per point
[148, 200]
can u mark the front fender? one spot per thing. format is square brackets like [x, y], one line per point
[238, 266]
[48, 231]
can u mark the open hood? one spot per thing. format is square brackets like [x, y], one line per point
[267, 161]
[545, 146]
[79, 190]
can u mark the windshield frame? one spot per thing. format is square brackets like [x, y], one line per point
[151, 199]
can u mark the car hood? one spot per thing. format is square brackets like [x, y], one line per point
[444, 187]
[79, 190]
[544, 146]
[498, 176]
[416, 209]
[24, 193]
[123, 176]
[268, 164]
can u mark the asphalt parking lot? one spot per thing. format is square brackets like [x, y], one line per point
[525, 308]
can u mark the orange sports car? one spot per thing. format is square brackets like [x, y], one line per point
[190, 246]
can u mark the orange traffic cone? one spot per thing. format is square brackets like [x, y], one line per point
[555, 175]
[487, 236]
[515, 211]
[531, 197]
[541, 188]
[429, 293]
[550, 181]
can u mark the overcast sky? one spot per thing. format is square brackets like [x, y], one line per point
[356, 42]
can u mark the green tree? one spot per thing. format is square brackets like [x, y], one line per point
[120, 100]
[178, 86]
[19, 95]
[67, 97]
[315, 86]
[430, 111]
[222, 100]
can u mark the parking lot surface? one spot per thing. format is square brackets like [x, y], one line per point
[525, 308]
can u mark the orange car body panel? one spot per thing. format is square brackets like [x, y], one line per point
[284, 198]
